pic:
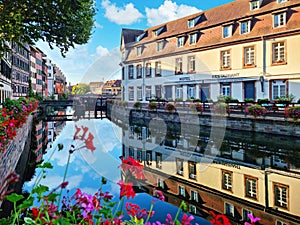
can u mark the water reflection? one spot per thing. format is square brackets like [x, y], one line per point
[249, 173]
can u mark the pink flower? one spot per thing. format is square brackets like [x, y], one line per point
[186, 220]
[126, 189]
[252, 219]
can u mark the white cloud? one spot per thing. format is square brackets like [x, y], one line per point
[98, 25]
[121, 15]
[168, 11]
[101, 51]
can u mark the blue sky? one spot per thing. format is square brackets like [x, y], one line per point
[98, 60]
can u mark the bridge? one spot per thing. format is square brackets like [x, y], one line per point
[85, 107]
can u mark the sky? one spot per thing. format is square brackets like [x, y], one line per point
[99, 59]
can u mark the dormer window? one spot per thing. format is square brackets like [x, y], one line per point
[193, 22]
[193, 39]
[279, 19]
[138, 50]
[227, 31]
[245, 26]
[281, 1]
[159, 46]
[254, 5]
[141, 36]
[180, 41]
[158, 31]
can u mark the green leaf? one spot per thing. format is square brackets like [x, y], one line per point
[14, 197]
[45, 165]
[60, 147]
[40, 189]
[29, 220]
[52, 197]
[26, 203]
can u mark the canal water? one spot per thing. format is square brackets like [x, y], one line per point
[247, 173]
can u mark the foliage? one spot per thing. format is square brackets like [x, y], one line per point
[292, 112]
[170, 107]
[221, 108]
[63, 24]
[256, 110]
[249, 100]
[227, 99]
[80, 89]
[282, 100]
[12, 116]
[197, 107]
[152, 105]
[263, 100]
[137, 105]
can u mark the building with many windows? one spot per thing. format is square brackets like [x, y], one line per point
[243, 49]
[5, 77]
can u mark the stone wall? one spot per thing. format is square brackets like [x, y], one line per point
[270, 125]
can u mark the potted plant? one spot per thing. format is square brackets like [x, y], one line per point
[256, 110]
[197, 107]
[282, 100]
[263, 101]
[292, 112]
[137, 105]
[170, 107]
[221, 108]
[152, 106]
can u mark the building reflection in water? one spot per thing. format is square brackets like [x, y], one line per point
[250, 173]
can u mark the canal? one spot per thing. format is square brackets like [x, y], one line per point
[247, 173]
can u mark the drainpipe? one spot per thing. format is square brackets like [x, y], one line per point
[143, 85]
[266, 190]
[264, 68]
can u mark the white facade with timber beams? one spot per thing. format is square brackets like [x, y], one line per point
[244, 49]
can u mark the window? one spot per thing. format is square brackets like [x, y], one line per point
[191, 64]
[191, 90]
[149, 158]
[254, 5]
[227, 180]
[131, 152]
[158, 91]
[278, 222]
[192, 39]
[181, 191]
[139, 71]
[179, 166]
[148, 69]
[194, 196]
[191, 23]
[139, 51]
[251, 187]
[245, 26]
[225, 59]
[160, 183]
[278, 52]
[148, 92]
[245, 213]
[139, 94]
[178, 66]
[249, 53]
[279, 19]
[157, 68]
[229, 209]
[158, 31]
[227, 31]
[278, 89]
[192, 170]
[130, 94]
[225, 90]
[281, 195]
[281, 1]
[139, 155]
[179, 92]
[158, 159]
[180, 42]
[130, 71]
[192, 209]
[141, 36]
[159, 46]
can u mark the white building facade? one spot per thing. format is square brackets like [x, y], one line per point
[244, 49]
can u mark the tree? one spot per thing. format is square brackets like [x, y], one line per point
[61, 23]
[80, 89]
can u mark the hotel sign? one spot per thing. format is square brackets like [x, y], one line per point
[222, 76]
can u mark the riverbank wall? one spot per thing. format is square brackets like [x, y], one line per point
[21, 143]
[267, 124]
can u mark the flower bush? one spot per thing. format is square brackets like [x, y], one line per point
[153, 105]
[256, 110]
[292, 112]
[137, 105]
[221, 108]
[197, 107]
[170, 107]
[12, 116]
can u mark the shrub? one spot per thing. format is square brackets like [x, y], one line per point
[153, 105]
[256, 110]
[282, 100]
[263, 100]
[170, 107]
[221, 108]
[197, 107]
[249, 100]
[137, 105]
[292, 112]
